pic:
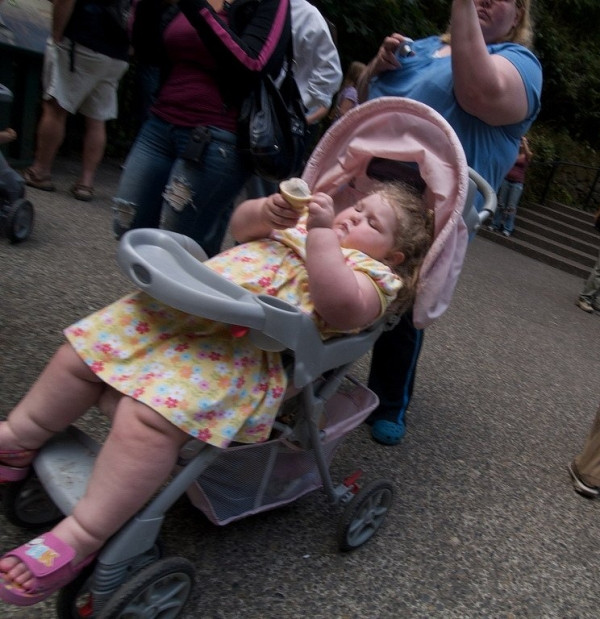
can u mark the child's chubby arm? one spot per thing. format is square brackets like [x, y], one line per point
[254, 219]
[344, 298]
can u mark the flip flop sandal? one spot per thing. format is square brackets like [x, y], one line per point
[50, 562]
[388, 432]
[9, 474]
[85, 193]
[38, 182]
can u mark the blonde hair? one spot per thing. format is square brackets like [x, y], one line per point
[521, 33]
[353, 73]
[413, 236]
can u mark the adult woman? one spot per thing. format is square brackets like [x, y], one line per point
[184, 170]
[481, 76]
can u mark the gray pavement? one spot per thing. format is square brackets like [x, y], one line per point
[484, 522]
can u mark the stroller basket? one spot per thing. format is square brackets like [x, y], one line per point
[248, 479]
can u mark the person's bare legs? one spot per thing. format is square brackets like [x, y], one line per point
[127, 472]
[50, 135]
[62, 393]
[94, 144]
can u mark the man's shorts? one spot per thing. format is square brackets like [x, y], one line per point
[91, 88]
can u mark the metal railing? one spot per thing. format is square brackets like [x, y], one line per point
[568, 183]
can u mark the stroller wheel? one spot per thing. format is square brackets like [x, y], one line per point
[364, 514]
[159, 590]
[75, 600]
[19, 220]
[27, 505]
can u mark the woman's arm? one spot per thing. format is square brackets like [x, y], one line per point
[344, 298]
[245, 49]
[486, 85]
[385, 60]
[255, 219]
[61, 13]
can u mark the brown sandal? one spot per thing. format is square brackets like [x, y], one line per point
[85, 193]
[32, 179]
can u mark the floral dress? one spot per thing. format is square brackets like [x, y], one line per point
[194, 371]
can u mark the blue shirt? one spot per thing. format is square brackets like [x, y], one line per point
[490, 150]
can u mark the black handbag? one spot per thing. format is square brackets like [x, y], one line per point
[272, 126]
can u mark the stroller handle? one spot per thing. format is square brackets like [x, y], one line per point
[489, 195]
[6, 96]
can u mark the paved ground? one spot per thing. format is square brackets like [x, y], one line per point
[484, 523]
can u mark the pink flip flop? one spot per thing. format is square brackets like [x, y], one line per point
[50, 562]
[14, 473]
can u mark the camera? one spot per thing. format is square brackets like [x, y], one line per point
[405, 49]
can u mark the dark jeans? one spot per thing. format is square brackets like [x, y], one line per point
[393, 369]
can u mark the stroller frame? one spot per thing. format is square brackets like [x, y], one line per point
[169, 267]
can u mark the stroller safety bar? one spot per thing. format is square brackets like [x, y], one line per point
[168, 267]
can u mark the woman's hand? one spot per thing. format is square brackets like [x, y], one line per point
[385, 60]
[278, 213]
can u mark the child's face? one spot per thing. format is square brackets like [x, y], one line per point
[369, 226]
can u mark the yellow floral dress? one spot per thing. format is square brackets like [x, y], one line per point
[197, 373]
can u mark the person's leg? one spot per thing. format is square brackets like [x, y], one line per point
[512, 202]
[499, 214]
[126, 474]
[138, 200]
[94, 143]
[591, 288]
[199, 197]
[50, 135]
[586, 465]
[392, 376]
[62, 393]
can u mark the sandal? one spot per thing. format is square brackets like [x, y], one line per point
[9, 474]
[50, 562]
[85, 193]
[32, 179]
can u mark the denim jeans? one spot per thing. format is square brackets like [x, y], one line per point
[509, 195]
[591, 288]
[160, 189]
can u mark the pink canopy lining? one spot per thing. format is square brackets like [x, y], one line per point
[398, 129]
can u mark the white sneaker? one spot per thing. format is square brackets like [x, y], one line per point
[584, 305]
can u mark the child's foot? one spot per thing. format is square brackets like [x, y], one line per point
[34, 571]
[8, 135]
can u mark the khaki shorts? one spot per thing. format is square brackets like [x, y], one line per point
[91, 88]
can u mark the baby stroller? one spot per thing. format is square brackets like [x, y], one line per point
[386, 138]
[16, 213]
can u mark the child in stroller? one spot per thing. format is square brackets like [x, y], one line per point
[360, 149]
[166, 376]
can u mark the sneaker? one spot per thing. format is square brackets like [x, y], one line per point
[590, 492]
[584, 305]
[506, 233]
[491, 228]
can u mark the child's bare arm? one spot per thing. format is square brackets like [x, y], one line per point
[254, 219]
[344, 298]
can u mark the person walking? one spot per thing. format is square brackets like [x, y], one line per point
[585, 468]
[84, 60]
[184, 169]
[510, 192]
[588, 298]
[483, 79]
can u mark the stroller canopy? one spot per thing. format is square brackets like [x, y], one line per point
[392, 138]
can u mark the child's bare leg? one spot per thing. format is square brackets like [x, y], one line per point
[137, 457]
[62, 393]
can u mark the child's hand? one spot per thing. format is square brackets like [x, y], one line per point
[278, 213]
[320, 211]
[8, 135]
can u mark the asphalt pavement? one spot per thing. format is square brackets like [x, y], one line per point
[484, 522]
